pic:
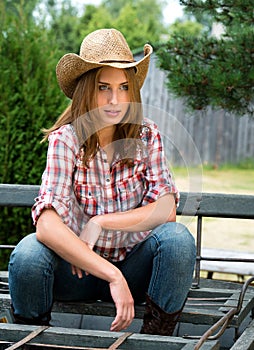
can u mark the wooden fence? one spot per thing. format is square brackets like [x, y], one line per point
[213, 137]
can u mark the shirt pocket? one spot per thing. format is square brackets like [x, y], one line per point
[89, 197]
[130, 192]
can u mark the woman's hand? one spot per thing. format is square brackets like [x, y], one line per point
[119, 289]
[124, 304]
[77, 271]
[123, 301]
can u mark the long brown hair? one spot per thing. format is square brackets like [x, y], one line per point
[83, 108]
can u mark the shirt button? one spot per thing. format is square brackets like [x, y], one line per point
[107, 180]
[105, 255]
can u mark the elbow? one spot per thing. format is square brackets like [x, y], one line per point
[168, 206]
[39, 235]
[43, 226]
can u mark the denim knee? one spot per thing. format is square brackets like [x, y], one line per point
[173, 264]
[30, 252]
[31, 276]
[174, 230]
[175, 236]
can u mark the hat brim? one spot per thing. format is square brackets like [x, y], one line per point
[71, 67]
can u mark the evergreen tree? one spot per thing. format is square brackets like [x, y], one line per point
[64, 25]
[209, 70]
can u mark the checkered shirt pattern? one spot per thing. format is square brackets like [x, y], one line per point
[78, 193]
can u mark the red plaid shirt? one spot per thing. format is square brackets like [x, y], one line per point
[77, 193]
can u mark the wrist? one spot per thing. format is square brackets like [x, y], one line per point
[114, 275]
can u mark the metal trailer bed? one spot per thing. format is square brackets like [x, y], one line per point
[217, 304]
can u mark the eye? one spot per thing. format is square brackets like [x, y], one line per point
[124, 87]
[103, 87]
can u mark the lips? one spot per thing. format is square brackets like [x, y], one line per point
[112, 113]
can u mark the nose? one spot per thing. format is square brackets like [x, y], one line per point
[113, 97]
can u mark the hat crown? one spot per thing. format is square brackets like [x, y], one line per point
[105, 45]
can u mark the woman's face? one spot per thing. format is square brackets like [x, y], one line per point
[112, 95]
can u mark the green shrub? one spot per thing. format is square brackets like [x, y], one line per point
[30, 100]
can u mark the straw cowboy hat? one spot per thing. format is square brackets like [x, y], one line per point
[103, 47]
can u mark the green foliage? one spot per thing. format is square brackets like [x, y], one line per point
[188, 27]
[209, 71]
[139, 20]
[125, 22]
[30, 100]
[99, 18]
[29, 96]
[64, 26]
[246, 164]
[114, 6]
[225, 11]
[16, 7]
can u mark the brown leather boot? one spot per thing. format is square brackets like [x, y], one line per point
[158, 321]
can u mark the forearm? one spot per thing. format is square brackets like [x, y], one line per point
[142, 218]
[52, 232]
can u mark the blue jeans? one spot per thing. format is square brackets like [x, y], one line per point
[161, 266]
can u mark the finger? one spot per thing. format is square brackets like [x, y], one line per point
[117, 323]
[115, 326]
[76, 271]
[73, 270]
[128, 319]
[123, 319]
[79, 272]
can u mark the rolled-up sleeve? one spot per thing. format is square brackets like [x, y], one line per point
[158, 176]
[56, 189]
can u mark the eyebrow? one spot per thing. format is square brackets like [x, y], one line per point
[102, 82]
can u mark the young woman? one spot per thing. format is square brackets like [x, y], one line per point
[105, 215]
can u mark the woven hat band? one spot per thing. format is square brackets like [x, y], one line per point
[112, 61]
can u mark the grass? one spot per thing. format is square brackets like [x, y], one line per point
[231, 234]
[221, 180]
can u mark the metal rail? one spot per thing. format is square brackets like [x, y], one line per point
[41, 329]
[224, 321]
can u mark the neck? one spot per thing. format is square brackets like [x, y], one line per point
[105, 135]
